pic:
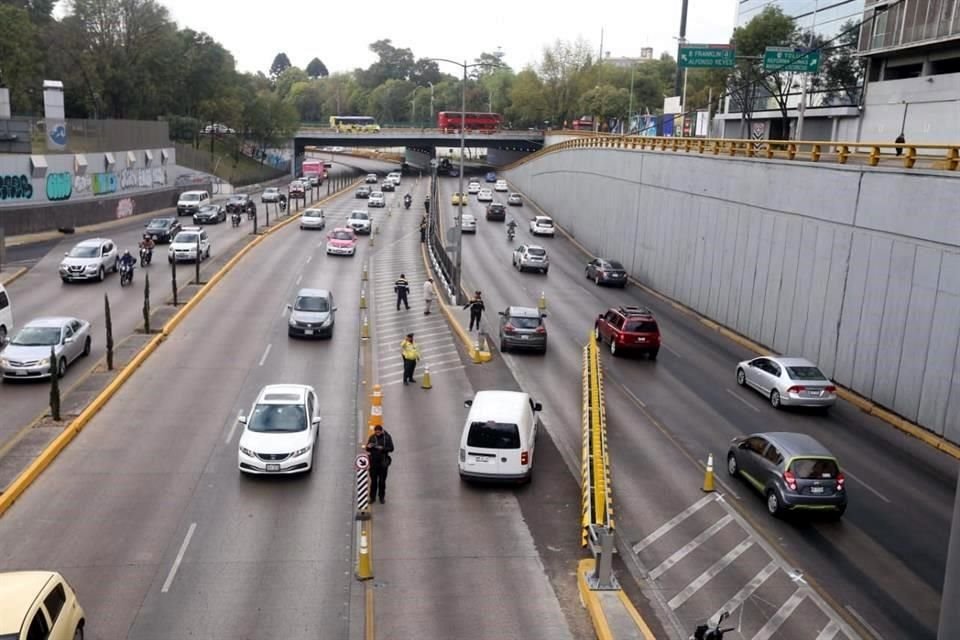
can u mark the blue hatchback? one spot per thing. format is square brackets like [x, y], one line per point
[491, 176]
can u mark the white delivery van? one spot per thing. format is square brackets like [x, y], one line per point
[6, 316]
[499, 436]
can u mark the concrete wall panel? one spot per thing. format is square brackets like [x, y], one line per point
[840, 264]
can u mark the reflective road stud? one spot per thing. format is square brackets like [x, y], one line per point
[708, 475]
[363, 275]
[365, 329]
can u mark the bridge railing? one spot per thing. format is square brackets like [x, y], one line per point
[945, 157]
[423, 131]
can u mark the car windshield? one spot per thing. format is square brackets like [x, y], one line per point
[525, 323]
[805, 373]
[278, 418]
[311, 303]
[85, 252]
[238, 199]
[186, 237]
[37, 337]
[640, 326]
[376, 194]
[159, 224]
[272, 190]
[814, 468]
[537, 251]
[359, 215]
[208, 209]
[312, 213]
[613, 264]
[190, 197]
[494, 435]
[342, 235]
[543, 222]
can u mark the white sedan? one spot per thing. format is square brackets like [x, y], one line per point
[270, 194]
[473, 188]
[280, 432]
[500, 185]
[542, 226]
[468, 223]
[485, 195]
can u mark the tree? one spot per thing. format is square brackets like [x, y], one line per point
[562, 63]
[280, 64]
[426, 71]
[527, 101]
[490, 63]
[316, 69]
[40, 11]
[392, 64]
[841, 75]
[20, 56]
[287, 79]
[605, 102]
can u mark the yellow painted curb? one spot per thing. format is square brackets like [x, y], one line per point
[16, 274]
[637, 618]
[52, 450]
[600, 625]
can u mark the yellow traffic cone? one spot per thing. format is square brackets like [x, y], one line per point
[364, 566]
[365, 330]
[542, 303]
[708, 476]
[483, 344]
[363, 274]
[425, 379]
[363, 300]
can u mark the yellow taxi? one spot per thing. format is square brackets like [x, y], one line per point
[458, 199]
[39, 604]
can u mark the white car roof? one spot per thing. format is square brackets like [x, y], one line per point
[92, 242]
[283, 394]
[501, 406]
[50, 321]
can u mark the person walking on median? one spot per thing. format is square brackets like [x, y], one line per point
[476, 310]
[427, 296]
[379, 446]
[423, 229]
[401, 287]
[410, 353]
[900, 140]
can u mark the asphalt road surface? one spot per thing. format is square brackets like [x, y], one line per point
[883, 564]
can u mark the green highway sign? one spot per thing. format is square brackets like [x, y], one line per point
[791, 59]
[709, 56]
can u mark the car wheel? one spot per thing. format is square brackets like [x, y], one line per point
[773, 503]
[596, 280]
[61, 367]
[596, 334]
[3, 335]
[653, 354]
[101, 274]
[741, 377]
[78, 633]
[613, 347]
[86, 347]
[546, 270]
[732, 468]
[503, 346]
[775, 399]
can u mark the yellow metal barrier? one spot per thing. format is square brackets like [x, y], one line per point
[597, 500]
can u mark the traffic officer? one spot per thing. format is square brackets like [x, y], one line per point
[476, 310]
[401, 287]
[410, 353]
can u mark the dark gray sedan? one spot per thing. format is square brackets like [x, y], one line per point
[27, 356]
[210, 214]
[606, 272]
[523, 328]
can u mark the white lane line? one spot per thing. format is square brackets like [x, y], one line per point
[774, 623]
[632, 395]
[709, 574]
[829, 632]
[233, 428]
[863, 621]
[391, 329]
[685, 550]
[847, 473]
[665, 528]
[438, 362]
[432, 373]
[283, 310]
[309, 258]
[266, 352]
[671, 350]
[179, 559]
[392, 320]
[744, 401]
[299, 278]
[746, 592]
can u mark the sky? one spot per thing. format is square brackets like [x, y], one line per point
[340, 33]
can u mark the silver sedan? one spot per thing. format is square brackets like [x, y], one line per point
[28, 354]
[788, 382]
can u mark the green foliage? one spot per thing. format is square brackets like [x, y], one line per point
[19, 58]
[280, 64]
[316, 69]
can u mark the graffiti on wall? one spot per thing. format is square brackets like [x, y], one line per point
[125, 208]
[142, 178]
[82, 183]
[59, 186]
[104, 183]
[15, 187]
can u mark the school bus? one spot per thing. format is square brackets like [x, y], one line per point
[354, 124]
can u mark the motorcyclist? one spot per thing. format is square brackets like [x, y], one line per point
[511, 228]
[407, 200]
[127, 260]
[147, 243]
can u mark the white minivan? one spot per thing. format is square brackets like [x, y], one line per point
[6, 316]
[499, 436]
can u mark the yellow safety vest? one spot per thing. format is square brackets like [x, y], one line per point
[410, 351]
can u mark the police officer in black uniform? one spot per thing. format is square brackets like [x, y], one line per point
[401, 287]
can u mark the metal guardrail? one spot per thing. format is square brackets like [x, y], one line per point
[944, 157]
[390, 132]
[597, 498]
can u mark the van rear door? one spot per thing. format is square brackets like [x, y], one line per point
[493, 448]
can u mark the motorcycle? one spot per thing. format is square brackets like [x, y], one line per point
[283, 204]
[510, 234]
[704, 632]
[407, 201]
[235, 219]
[126, 274]
[146, 255]
[251, 212]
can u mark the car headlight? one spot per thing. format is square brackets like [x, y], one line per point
[4, 362]
[247, 452]
[300, 452]
[92, 267]
[44, 362]
[327, 322]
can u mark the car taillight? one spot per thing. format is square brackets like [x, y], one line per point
[524, 457]
[790, 479]
[840, 480]
[541, 329]
[508, 328]
[830, 389]
[796, 389]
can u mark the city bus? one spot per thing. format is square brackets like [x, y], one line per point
[355, 124]
[449, 121]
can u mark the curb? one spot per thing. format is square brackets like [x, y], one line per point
[16, 274]
[51, 451]
[864, 404]
[595, 609]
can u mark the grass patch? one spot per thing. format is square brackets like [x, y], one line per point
[221, 163]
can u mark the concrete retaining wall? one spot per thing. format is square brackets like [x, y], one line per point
[857, 269]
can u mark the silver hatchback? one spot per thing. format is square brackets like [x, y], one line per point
[27, 355]
[788, 382]
[523, 328]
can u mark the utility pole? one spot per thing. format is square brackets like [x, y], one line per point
[801, 111]
[677, 84]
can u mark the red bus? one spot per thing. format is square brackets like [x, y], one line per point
[449, 121]
[583, 123]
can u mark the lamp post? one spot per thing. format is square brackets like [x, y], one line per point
[432, 116]
[458, 235]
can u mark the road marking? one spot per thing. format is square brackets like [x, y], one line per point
[179, 559]
[709, 574]
[632, 396]
[671, 350]
[309, 258]
[746, 592]
[743, 400]
[862, 620]
[299, 278]
[774, 623]
[847, 473]
[829, 632]
[265, 354]
[665, 528]
[233, 428]
[685, 550]
[283, 310]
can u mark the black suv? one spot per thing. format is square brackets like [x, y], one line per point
[496, 211]
[241, 203]
[162, 229]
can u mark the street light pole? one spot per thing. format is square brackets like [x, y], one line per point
[432, 116]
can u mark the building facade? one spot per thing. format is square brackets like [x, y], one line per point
[912, 49]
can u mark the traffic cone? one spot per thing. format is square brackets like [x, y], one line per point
[708, 476]
[371, 238]
[365, 330]
[364, 567]
[483, 344]
[425, 379]
[363, 300]
[363, 274]
[542, 303]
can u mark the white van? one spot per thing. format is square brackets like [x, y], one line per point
[499, 436]
[190, 202]
[6, 316]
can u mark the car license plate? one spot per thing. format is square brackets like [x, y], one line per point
[816, 489]
[480, 460]
[19, 373]
[641, 339]
[273, 467]
[524, 337]
[308, 332]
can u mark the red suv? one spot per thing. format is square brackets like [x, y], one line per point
[628, 329]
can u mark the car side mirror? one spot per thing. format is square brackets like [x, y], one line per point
[501, 313]
[742, 445]
[317, 420]
[468, 403]
[68, 340]
[543, 315]
[537, 406]
[334, 309]
[289, 307]
[242, 419]
[66, 253]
